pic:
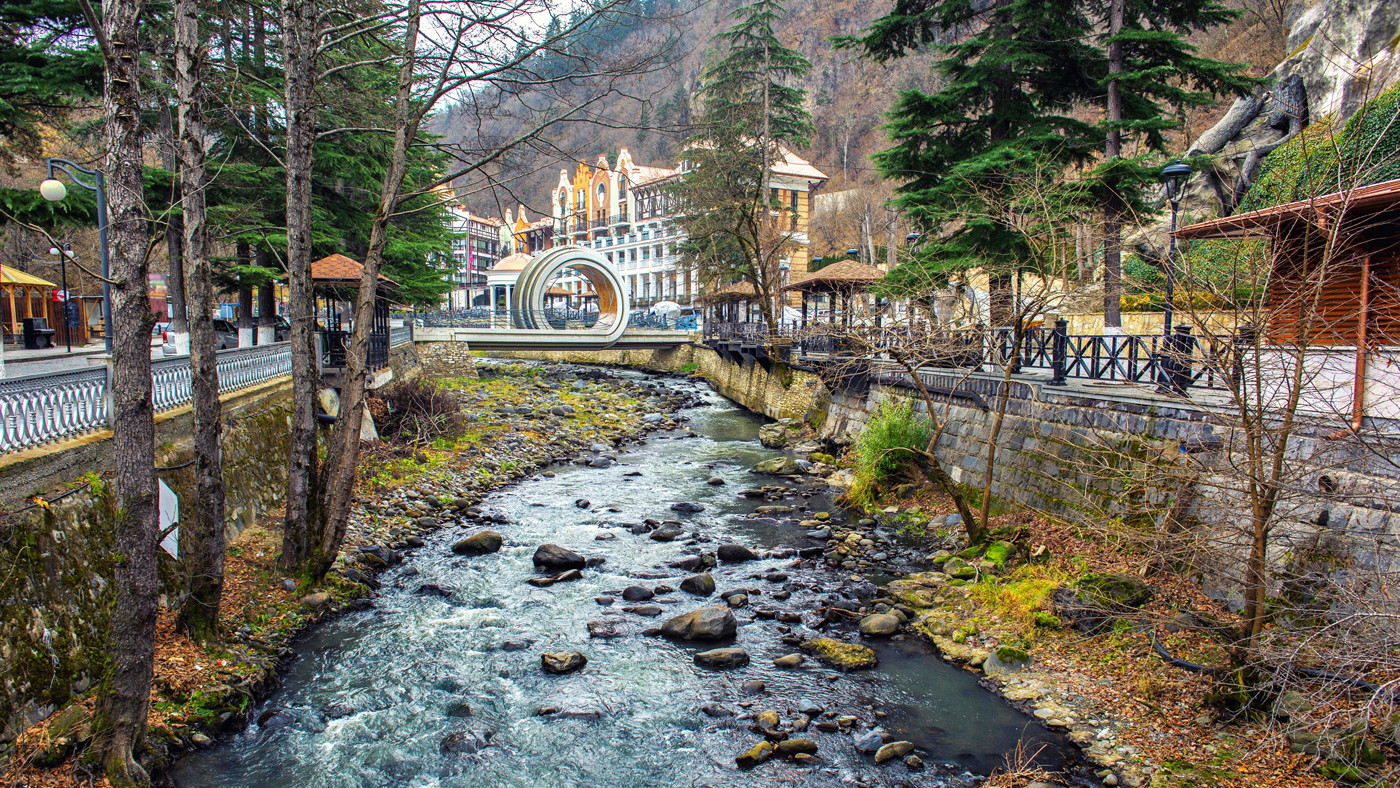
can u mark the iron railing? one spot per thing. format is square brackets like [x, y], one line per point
[45, 408]
[1177, 362]
[485, 317]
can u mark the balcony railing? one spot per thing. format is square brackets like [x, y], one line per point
[45, 408]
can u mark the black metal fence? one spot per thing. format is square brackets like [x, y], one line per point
[1176, 362]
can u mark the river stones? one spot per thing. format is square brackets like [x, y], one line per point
[650, 611]
[715, 481]
[464, 742]
[730, 657]
[715, 622]
[840, 655]
[790, 661]
[810, 707]
[879, 625]
[778, 466]
[637, 593]
[870, 742]
[603, 629]
[433, 589]
[561, 662]
[893, 750]
[699, 585]
[755, 755]
[689, 563]
[687, 507]
[735, 553]
[555, 558]
[788, 748]
[667, 533]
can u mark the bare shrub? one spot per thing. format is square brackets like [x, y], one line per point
[420, 412]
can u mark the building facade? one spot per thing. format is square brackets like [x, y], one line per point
[479, 245]
[626, 212]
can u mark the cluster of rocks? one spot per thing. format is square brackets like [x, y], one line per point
[783, 735]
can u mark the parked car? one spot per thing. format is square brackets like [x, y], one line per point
[225, 334]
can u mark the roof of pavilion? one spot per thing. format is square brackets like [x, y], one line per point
[337, 270]
[14, 276]
[734, 291]
[515, 262]
[840, 275]
[1266, 221]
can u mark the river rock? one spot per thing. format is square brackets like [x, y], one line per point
[716, 710]
[637, 593]
[790, 661]
[778, 466]
[893, 751]
[914, 763]
[650, 611]
[690, 563]
[870, 741]
[715, 622]
[479, 543]
[667, 533]
[687, 507]
[879, 625]
[840, 655]
[735, 553]
[582, 503]
[755, 755]
[731, 657]
[788, 748]
[567, 575]
[554, 557]
[561, 662]
[810, 707]
[699, 585]
[464, 742]
[603, 629]
[715, 481]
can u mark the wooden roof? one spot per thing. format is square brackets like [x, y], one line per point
[843, 274]
[735, 291]
[13, 276]
[337, 269]
[1265, 221]
[515, 262]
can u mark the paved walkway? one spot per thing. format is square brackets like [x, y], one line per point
[20, 363]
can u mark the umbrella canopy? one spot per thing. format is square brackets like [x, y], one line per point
[666, 307]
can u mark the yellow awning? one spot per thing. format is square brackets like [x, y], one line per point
[10, 276]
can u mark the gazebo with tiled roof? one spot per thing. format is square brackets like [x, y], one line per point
[334, 280]
[836, 283]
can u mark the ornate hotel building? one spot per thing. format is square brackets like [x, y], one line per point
[625, 212]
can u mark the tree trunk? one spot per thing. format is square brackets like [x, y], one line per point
[1113, 149]
[174, 241]
[1003, 397]
[344, 454]
[124, 693]
[303, 496]
[202, 537]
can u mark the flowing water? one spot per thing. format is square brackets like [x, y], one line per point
[401, 676]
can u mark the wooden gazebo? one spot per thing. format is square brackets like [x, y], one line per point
[335, 280]
[731, 303]
[26, 295]
[837, 285]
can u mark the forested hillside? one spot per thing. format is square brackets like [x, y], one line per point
[847, 95]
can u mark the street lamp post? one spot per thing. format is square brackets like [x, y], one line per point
[1173, 368]
[63, 255]
[53, 190]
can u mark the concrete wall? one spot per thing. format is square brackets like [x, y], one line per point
[55, 560]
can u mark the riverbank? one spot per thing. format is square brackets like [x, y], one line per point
[518, 419]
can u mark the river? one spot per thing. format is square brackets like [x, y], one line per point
[370, 695]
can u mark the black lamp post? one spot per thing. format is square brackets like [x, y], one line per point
[1174, 175]
[53, 190]
[63, 254]
[1173, 366]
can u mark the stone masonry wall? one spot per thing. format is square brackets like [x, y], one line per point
[446, 359]
[55, 558]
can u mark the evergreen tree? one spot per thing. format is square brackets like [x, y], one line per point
[1152, 75]
[736, 227]
[1009, 85]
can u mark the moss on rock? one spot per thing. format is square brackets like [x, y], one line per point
[840, 655]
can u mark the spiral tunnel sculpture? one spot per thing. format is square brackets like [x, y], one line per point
[528, 297]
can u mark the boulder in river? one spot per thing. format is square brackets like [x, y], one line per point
[789, 661]
[755, 755]
[667, 533]
[730, 657]
[879, 625]
[778, 466]
[715, 622]
[556, 558]
[479, 543]
[700, 585]
[560, 662]
[869, 742]
[735, 553]
[637, 593]
[464, 742]
[687, 507]
[841, 655]
[788, 748]
[893, 750]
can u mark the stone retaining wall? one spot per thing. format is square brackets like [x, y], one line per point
[447, 359]
[55, 559]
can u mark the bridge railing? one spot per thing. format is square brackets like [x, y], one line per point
[485, 317]
[41, 409]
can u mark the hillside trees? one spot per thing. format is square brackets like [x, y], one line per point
[736, 226]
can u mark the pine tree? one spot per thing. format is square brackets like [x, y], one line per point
[1152, 75]
[1004, 111]
[750, 112]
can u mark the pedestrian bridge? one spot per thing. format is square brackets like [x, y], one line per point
[529, 324]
